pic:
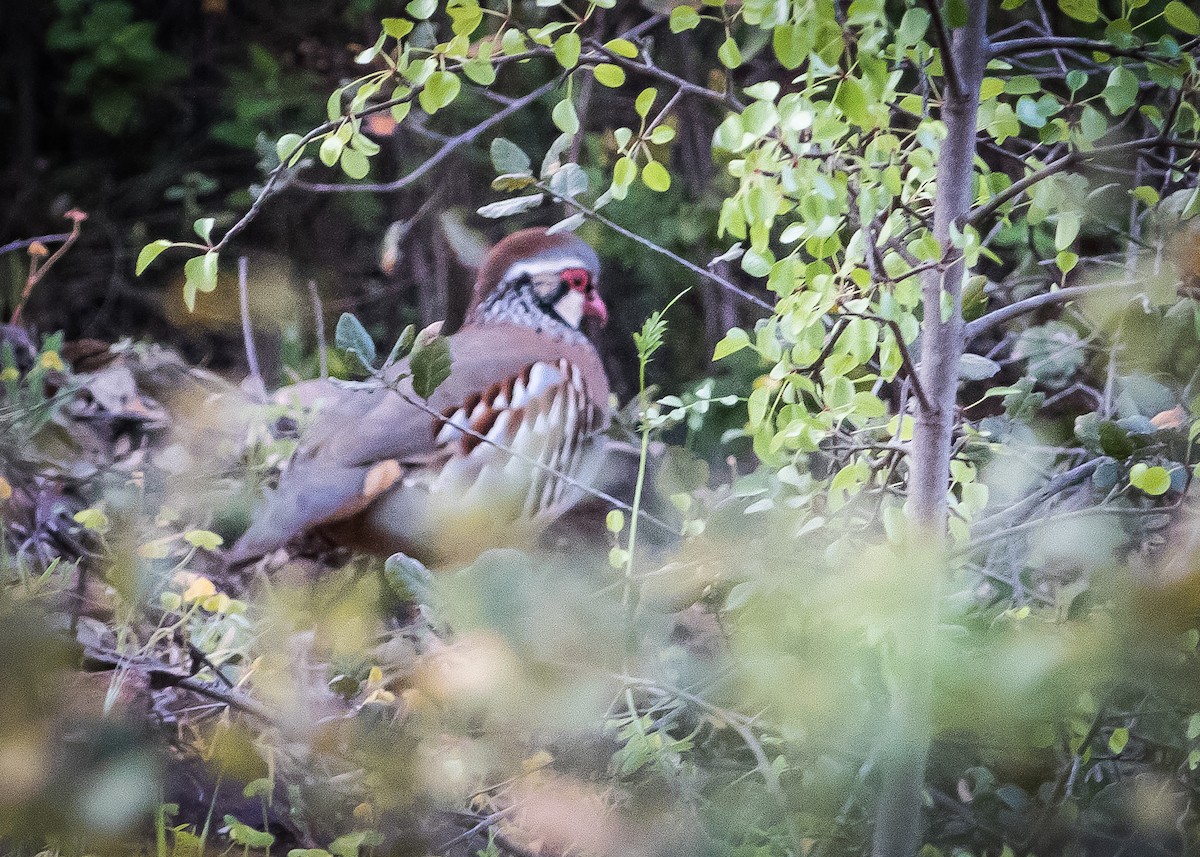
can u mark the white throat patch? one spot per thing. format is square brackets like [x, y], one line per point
[570, 308]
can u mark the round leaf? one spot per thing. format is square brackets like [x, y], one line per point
[656, 177]
[610, 75]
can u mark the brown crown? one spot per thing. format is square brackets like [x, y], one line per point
[519, 245]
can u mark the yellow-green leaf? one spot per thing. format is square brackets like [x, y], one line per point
[149, 253]
[565, 118]
[729, 54]
[683, 18]
[656, 177]
[645, 101]
[566, 50]
[1180, 17]
[622, 48]
[203, 539]
[610, 75]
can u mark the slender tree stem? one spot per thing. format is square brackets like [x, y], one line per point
[905, 744]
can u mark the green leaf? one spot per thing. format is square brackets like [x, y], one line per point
[1022, 84]
[851, 99]
[566, 50]
[1121, 91]
[149, 253]
[1087, 11]
[351, 336]
[610, 75]
[656, 177]
[421, 9]
[729, 54]
[507, 207]
[508, 182]
[792, 43]
[203, 539]
[734, 341]
[1154, 481]
[1076, 80]
[1146, 194]
[625, 171]
[199, 275]
[622, 48]
[645, 101]
[1193, 727]
[614, 521]
[203, 227]
[912, 27]
[331, 150]
[662, 134]
[244, 834]
[565, 118]
[440, 90]
[92, 519]
[1182, 18]
[1067, 229]
[397, 28]
[288, 148]
[976, 367]
[404, 344]
[684, 18]
[569, 181]
[509, 158]
[430, 366]
[408, 578]
[1118, 739]
[355, 164]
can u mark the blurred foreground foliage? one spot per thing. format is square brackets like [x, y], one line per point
[730, 689]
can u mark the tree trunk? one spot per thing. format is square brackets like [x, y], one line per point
[906, 743]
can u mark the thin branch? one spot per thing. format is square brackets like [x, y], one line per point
[36, 271]
[448, 148]
[319, 318]
[735, 720]
[943, 35]
[28, 242]
[255, 378]
[996, 317]
[975, 216]
[282, 176]
[650, 245]
[601, 53]
[1036, 44]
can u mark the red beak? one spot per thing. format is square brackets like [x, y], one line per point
[594, 306]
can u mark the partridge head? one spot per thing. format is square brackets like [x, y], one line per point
[480, 464]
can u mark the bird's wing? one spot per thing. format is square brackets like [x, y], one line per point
[364, 442]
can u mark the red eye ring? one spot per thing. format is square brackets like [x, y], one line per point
[577, 279]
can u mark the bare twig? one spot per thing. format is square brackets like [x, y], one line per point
[319, 319]
[943, 35]
[735, 720]
[282, 176]
[448, 148]
[29, 242]
[996, 317]
[37, 251]
[255, 377]
[981, 213]
[1038, 44]
[592, 214]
